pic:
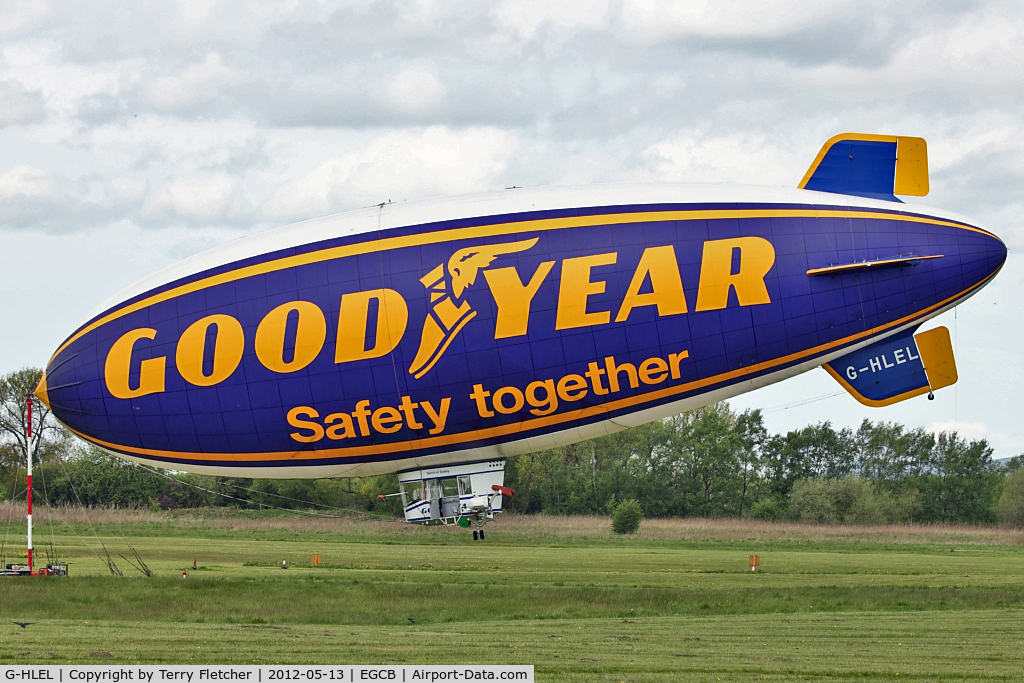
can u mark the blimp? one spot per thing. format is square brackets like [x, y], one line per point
[436, 338]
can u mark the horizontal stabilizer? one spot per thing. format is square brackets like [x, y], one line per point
[858, 266]
[879, 166]
[897, 368]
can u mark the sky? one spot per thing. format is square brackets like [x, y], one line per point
[134, 134]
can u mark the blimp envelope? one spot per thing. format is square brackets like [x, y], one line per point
[428, 333]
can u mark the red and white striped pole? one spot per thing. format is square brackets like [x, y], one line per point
[28, 450]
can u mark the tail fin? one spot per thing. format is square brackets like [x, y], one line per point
[879, 166]
[897, 368]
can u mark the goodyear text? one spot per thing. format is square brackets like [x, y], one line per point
[371, 324]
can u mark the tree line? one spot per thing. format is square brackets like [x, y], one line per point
[715, 462]
[710, 462]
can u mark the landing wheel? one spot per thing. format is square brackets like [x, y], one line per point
[481, 534]
[475, 534]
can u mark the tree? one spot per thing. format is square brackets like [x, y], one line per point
[816, 451]
[49, 439]
[591, 477]
[753, 435]
[889, 453]
[629, 464]
[93, 478]
[711, 456]
[1010, 510]
[540, 480]
[961, 482]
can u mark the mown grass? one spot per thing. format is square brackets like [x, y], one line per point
[312, 600]
[676, 602]
[876, 646]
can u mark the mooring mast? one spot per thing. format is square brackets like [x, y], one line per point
[28, 569]
[28, 494]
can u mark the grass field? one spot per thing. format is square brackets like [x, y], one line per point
[675, 602]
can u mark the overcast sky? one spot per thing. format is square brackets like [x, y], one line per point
[133, 134]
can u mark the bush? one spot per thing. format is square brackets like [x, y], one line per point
[811, 501]
[863, 505]
[1010, 509]
[841, 501]
[768, 510]
[627, 516]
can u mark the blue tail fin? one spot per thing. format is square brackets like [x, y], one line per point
[879, 166]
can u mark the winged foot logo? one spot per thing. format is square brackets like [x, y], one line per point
[448, 312]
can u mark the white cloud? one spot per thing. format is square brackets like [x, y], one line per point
[195, 85]
[24, 181]
[416, 87]
[396, 166]
[555, 22]
[971, 431]
[20, 16]
[212, 200]
[701, 155]
[125, 190]
[30, 196]
[661, 20]
[18, 105]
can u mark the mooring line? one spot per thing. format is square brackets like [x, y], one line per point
[110, 563]
[243, 500]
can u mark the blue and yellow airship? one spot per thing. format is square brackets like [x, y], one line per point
[426, 334]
